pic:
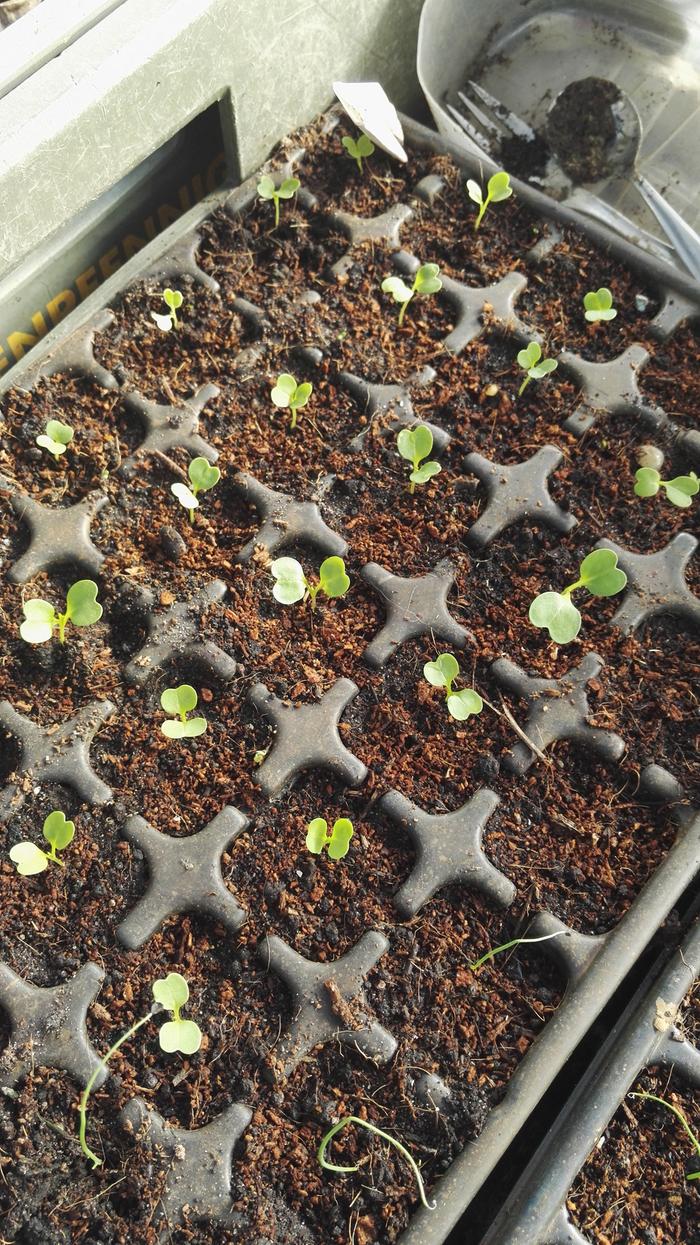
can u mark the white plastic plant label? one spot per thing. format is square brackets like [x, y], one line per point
[369, 106]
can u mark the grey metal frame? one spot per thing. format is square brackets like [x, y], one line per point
[131, 76]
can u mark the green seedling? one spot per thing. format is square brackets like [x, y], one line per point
[599, 574]
[168, 320]
[426, 281]
[291, 584]
[442, 673]
[498, 188]
[202, 477]
[514, 942]
[679, 491]
[41, 619]
[534, 366]
[171, 993]
[359, 148]
[414, 444]
[336, 843]
[179, 701]
[56, 438]
[286, 190]
[679, 1116]
[378, 1132]
[599, 305]
[287, 394]
[30, 859]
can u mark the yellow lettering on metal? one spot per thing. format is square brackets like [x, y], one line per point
[110, 261]
[87, 281]
[19, 343]
[59, 306]
[131, 244]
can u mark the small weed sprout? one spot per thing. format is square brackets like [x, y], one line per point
[360, 148]
[56, 438]
[679, 491]
[202, 477]
[414, 444]
[442, 673]
[598, 305]
[288, 395]
[534, 366]
[426, 281]
[178, 702]
[679, 1116]
[514, 942]
[599, 574]
[498, 188]
[291, 584]
[41, 619]
[336, 843]
[29, 859]
[168, 320]
[378, 1132]
[286, 190]
[171, 993]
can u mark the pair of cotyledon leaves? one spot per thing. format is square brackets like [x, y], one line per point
[288, 395]
[56, 438]
[30, 859]
[172, 992]
[530, 359]
[426, 281]
[168, 320]
[202, 477]
[598, 305]
[599, 574]
[286, 189]
[498, 188]
[441, 673]
[336, 843]
[179, 701]
[41, 618]
[291, 584]
[679, 491]
[414, 444]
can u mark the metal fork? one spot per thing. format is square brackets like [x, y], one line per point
[488, 129]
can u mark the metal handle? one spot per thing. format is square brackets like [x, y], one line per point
[684, 238]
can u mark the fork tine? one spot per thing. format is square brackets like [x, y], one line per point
[489, 128]
[471, 132]
[510, 119]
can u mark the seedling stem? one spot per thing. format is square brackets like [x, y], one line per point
[506, 946]
[82, 1105]
[679, 1116]
[354, 1119]
[170, 994]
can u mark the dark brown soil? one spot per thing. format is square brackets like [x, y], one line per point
[633, 1189]
[668, 382]
[581, 128]
[573, 836]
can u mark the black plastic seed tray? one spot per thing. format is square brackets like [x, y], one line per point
[594, 965]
